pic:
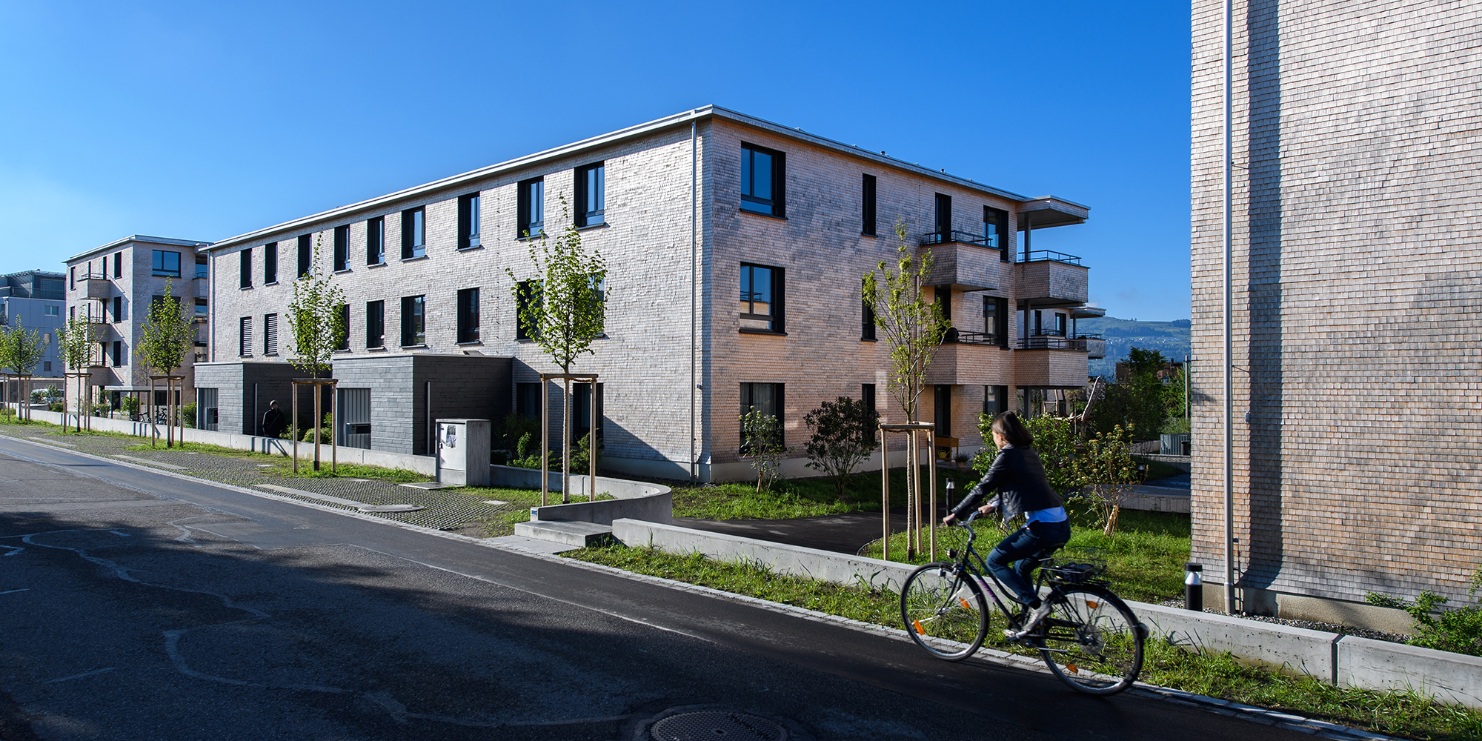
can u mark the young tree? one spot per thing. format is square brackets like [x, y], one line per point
[164, 338]
[1105, 471]
[562, 311]
[913, 329]
[77, 354]
[21, 351]
[761, 436]
[316, 319]
[843, 434]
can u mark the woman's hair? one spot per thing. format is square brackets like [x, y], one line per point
[1013, 430]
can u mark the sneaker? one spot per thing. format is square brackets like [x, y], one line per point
[1029, 623]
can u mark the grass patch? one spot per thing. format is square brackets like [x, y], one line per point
[284, 467]
[794, 498]
[1213, 674]
[502, 520]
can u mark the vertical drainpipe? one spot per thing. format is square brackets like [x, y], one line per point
[1229, 353]
[694, 298]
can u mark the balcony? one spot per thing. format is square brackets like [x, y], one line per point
[1051, 361]
[964, 262]
[95, 286]
[1048, 278]
[974, 358]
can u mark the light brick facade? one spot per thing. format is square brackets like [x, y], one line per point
[674, 354]
[1357, 282]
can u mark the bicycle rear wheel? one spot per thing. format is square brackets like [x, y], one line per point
[1091, 640]
[944, 611]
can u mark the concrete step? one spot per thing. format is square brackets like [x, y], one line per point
[574, 534]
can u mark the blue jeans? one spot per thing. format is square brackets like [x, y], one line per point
[1014, 557]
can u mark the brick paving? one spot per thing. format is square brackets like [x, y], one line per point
[442, 509]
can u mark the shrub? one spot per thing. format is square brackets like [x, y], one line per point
[514, 427]
[843, 434]
[188, 414]
[129, 404]
[1457, 630]
[326, 430]
[761, 436]
[579, 456]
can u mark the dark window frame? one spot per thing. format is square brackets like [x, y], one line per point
[414, 233]
[270, 263]
[531, 213]
[342, 248]
[591, 198]
[468, 316]
[942, 217]
[528, 291]
[245, 268]
[270, 335]
[998, 236]
[470, 207]
[867, 214]
[776, 319]
[159, 264]
[244, 337]
[867, 396]
[375, 324]
[118, 264]
[414, 321]
[942, 412]
[305, 255]
[775, 201]
[749, 401]
[996, 319]
[375, 241]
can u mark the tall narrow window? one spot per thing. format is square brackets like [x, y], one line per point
[944, 218]
[529, 293]
[527, 400]
[270, 263]
[105, 265]
[867, 214]
[866, 320]
[581, 412]
[342, 248]
[468, 315]
[203, 267]
[246, 268]
[765, 398]
[996, 320]
[305, 255]
[761, 298]
[165, 263]
[468, 221]
[413, 233]
[117, 308]
[118, 354]
[118, 264]
[995, 400]
[244, 337]
[531, 208]
[375, 241]
[762, 180]
[867, 396]
[944, 300]
[375, 324]
[996, 231]
[270, 334]
[591, 195]
[413, 321]
[943, 410]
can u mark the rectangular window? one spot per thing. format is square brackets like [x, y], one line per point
[866, 320]
[867, 396]
[270, 334]
[762, 180]
[761, 298]
[943, 295]
[375, 324]
[270, 263]
[105, 265]
[344, 344]
[165, 263]
[244, 337]
[591, 195]
[413, 233]
[468, 221]
[867, 215]
[203, 309]
[468, 315]
[375, 241]
[944, 218]
[203, 267]
[118, 354]
[942, 410]
[118, 264]
[413, 321]
[342, 248]
[581, 412]
[46, 366]
[995, 400]
[765, 398]
[532, 208]
[246, 270]
[996, 230]
[118, 308]
[1059, 330]
[996, 320]
[72, 278]
[305, 255]
[529, 294]
[56, 311]
[527, 400]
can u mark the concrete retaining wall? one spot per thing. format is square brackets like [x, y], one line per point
[633, 499]
[1343, 660]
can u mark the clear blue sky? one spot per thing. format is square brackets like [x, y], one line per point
[204, 120]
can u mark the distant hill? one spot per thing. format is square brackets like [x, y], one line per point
[1169, 338]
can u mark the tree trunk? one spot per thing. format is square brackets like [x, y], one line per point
[566, 439]
[1111, 520]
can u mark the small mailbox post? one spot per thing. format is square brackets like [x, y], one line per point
[463, 452]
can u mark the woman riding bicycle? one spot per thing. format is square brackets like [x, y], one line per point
[1019, 478]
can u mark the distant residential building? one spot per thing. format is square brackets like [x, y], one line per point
[1357, 301]
[112, 287]
[692, 213]
[36, 299]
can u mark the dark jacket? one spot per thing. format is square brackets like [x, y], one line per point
[273, 422]
[1019, 478]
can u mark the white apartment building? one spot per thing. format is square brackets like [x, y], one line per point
[735, 249]
[112, 286]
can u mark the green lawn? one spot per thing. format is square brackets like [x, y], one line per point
[794, 498]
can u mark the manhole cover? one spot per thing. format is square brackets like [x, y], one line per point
[714, 725]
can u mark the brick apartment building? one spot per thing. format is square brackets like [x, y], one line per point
[112, 286]
[1356, 282]
[690, 212]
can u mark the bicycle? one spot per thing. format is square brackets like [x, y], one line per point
[1090, 639]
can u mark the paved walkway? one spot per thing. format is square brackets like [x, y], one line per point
[438, 509]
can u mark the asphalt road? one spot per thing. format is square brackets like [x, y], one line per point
[139, 605]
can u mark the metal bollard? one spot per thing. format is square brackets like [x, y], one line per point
[1193, 587]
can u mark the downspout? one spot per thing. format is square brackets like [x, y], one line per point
[1229, 354]
[694, 298]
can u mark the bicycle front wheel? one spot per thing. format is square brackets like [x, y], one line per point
[1091, 640]
[944, 611]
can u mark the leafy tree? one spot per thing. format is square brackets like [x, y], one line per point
[21, 351]
[761, 444]
[1105, 471]
[913, 329]
[843, 435]
[316, 319]
[164, 339]
[1139, 400]
[77, 354]
[562, 311]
